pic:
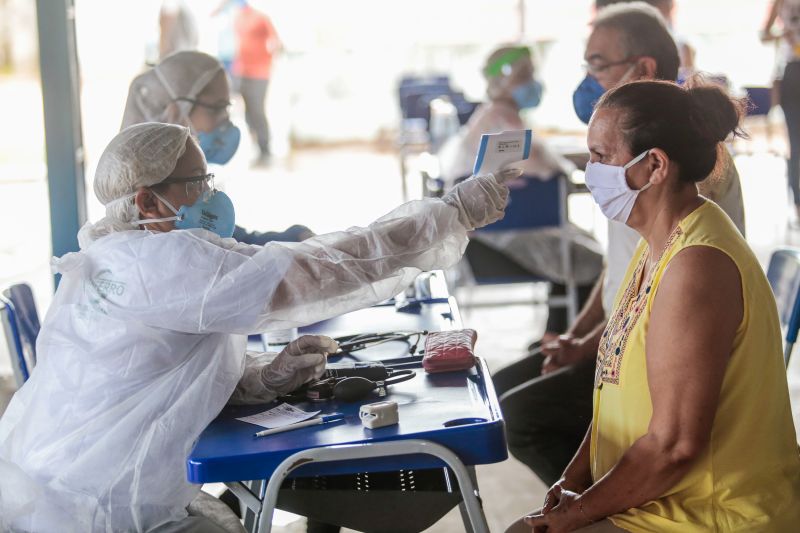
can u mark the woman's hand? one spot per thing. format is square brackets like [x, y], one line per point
[552, 497]
[561, 512]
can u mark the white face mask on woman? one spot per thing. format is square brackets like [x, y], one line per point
[610, 189]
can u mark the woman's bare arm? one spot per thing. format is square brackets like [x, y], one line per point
[696, 313]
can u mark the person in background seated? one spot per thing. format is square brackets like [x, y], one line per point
[192, 89]
[546, 397]
[145, 341]
[692, 427]
[512, 88]
[686, 51]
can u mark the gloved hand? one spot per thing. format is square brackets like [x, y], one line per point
[301, 361]
[480, 200]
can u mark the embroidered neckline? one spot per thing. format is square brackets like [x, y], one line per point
[625, 316]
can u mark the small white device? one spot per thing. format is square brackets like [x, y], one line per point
[378, 415]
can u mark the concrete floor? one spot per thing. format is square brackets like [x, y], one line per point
[336, 188]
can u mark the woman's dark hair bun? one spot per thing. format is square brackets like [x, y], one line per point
[688, 122]
[715, 115]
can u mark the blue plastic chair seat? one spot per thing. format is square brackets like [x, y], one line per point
[783, 274]
[21, 321]
[760, 100]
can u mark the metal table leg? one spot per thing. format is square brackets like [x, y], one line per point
[463, 508]
[474, 518]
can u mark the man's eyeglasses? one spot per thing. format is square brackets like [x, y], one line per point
[598, 68]
[195, 185]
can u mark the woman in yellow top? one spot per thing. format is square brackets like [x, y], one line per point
[692, 428]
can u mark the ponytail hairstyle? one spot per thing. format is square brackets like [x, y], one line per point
[689, 123]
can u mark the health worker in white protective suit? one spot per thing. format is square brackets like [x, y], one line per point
[145, 340]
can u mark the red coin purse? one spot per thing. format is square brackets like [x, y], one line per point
[447, 351]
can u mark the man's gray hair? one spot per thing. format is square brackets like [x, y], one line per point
[644, 33]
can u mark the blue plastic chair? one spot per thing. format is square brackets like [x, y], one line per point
[760, 103]
[412, 89]
[21, 324]
[760, 100]
[538, 204]
[783, 274]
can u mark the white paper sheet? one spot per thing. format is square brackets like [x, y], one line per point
[282, 415]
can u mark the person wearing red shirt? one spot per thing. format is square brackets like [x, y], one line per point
[257, 45]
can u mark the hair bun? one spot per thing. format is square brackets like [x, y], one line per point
[715, 115]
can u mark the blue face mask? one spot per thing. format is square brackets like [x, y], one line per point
[528, 95]
[221, 143]
[586, 96]
[213, 211]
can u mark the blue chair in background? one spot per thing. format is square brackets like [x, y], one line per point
[21, 324]
[538, 204]
[760, 104]
[783, 273]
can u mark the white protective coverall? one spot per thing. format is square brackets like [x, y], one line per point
[145, 340]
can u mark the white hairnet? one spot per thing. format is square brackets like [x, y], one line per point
[506, 68]
[152, 95]
[139, 156]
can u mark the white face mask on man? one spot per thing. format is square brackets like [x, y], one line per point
[610, 189]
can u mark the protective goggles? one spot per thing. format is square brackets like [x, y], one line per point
[195, 185]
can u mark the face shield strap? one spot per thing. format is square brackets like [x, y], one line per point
[185, 106]
[164, 82]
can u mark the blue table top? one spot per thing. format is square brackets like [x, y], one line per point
[456, 409]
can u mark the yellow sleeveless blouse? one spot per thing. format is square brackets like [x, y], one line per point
[749, 477]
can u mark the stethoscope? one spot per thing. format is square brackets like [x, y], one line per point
[353, 343]
[353, 388]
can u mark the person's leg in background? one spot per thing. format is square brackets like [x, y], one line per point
[518, 372]
[790, 103]
[206, 515]
[557, 322]
[254, 93]
[546, 416]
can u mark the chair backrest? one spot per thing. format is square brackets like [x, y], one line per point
[783, 273]
[533, 203]
[21, 322]
[412, 90]
[760, 100]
